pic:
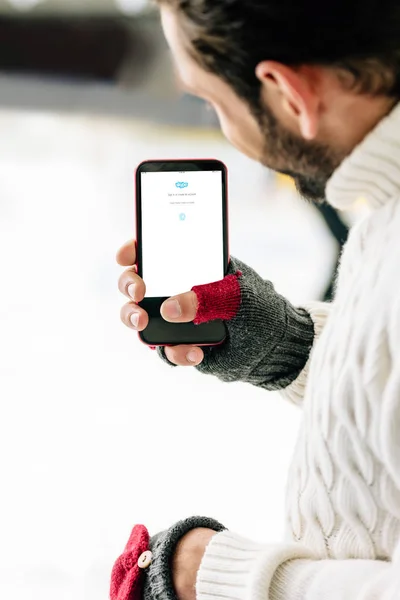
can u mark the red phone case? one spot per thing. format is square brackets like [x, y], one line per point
[136, 222]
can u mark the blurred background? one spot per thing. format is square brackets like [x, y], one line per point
[95, 433]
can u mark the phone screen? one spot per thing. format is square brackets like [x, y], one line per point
[182, 230]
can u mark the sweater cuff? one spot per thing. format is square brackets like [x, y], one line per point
[239, 569]
[319, 313]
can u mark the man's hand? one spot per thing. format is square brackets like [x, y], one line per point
[187, 559]
[268, 339]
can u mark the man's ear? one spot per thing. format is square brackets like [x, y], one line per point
[295, 94]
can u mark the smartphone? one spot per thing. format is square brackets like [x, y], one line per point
[182, 241]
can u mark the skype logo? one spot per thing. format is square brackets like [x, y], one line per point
[181, 184]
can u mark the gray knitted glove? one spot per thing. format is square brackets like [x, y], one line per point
[143, 571]
[268, 340]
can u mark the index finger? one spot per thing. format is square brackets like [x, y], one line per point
[126, 256]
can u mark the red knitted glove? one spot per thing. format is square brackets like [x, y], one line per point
[268, 340]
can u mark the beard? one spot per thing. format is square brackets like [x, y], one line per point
[311, 164]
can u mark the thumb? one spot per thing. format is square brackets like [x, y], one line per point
[180, 309]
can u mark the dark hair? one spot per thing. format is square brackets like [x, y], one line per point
[361, 39]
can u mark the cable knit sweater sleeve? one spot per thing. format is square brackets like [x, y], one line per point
[239, 569]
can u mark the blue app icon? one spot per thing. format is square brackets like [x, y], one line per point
[182, 217]
[181, 184]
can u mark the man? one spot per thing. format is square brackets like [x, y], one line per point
[310, 89]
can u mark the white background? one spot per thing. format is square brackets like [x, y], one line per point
[182, 231]
[128, 7]
[95, 433]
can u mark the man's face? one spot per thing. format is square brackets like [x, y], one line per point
[258, 134]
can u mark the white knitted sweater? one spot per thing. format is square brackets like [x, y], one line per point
[343, 501]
